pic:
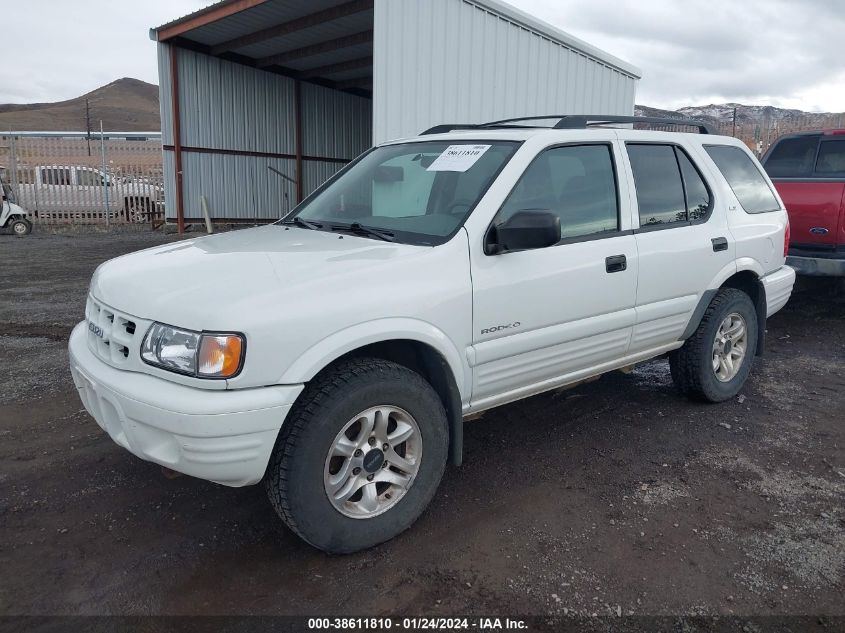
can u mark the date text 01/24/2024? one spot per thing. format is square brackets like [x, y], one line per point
[417, 624]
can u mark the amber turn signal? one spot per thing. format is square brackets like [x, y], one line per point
[220, 355]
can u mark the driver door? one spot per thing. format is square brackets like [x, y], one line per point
[544, 316]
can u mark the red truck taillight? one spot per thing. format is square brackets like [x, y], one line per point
[786, 239]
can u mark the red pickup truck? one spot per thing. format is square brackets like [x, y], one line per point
[808, 170]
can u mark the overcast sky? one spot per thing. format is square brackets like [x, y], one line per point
[773, 52]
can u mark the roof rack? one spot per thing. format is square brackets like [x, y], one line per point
[571, 122]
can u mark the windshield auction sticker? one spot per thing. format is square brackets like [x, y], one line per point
[458, 157]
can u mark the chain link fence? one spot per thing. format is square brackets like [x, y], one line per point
[117, 178]
[74, 178]
[757, 131]
[761, 133]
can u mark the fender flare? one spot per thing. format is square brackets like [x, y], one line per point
[349, 339]
[740, 265]
[332, 347]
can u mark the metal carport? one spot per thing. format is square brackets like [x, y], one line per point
[262, 100]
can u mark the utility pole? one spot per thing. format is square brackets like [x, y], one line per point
[106, 176]
[88, 125]
[734, 133]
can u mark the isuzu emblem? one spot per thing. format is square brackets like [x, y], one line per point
[96, 329]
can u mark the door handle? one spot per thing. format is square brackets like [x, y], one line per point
[615, 263]
[719, 244]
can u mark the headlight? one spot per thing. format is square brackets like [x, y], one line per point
[204, 355]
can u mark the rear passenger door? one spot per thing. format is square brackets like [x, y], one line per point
[682, 239]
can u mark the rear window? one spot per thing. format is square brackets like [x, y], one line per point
[831, 161]
[748, 184]
[792, 157]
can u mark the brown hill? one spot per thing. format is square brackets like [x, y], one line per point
[126, 105]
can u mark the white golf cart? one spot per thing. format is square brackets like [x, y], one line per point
[13, 217]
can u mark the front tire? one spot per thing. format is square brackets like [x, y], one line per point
[715, 361]
[21, 227]
[360, 456]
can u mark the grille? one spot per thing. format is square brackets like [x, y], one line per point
[112, 335]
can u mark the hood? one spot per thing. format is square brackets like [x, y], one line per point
[15, 209]
[210, 282]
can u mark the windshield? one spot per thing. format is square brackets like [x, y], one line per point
[418, 193]
[8, 194]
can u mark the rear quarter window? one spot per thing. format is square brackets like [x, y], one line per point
[748, 184]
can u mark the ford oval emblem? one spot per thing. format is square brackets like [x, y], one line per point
[96, 329]
[819, 230]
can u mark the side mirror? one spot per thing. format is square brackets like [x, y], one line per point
[524, 230]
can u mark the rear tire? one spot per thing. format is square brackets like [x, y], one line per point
[325, 440]
[715, 361]
[137, 209]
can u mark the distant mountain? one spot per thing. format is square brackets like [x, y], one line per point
[126, 105]
[758, 126]
[750, 115]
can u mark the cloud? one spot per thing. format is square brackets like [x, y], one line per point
[777, 52]
[57, 49]
[764, 51]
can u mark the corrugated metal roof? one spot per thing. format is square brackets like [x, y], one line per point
[251, 20]
[334, 57]
[350, 18]
[214, 6]
[325, 31]
[270, 13]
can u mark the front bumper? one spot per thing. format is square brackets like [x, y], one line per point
[817, 266]
[221, 436]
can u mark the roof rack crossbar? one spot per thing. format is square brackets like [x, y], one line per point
[523, 118]
[448, 127]
[571, 122]
[575, 121]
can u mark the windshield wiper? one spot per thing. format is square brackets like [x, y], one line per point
[355, 227]
[305, 224]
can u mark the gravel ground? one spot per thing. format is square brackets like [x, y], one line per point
[616, 497]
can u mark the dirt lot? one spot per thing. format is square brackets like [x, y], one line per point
[617, 497]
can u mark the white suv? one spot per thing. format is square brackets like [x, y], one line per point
[333, 355]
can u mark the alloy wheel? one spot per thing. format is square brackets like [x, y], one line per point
[729, 347]
[373, 461]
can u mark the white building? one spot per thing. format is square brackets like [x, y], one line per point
[263, 100]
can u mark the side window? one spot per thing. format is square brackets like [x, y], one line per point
[748, 184]
[792, 157]
[53, 176]
[831, 161]
[657, 178]
[697, 194]
[88, 178]
[577, 182]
